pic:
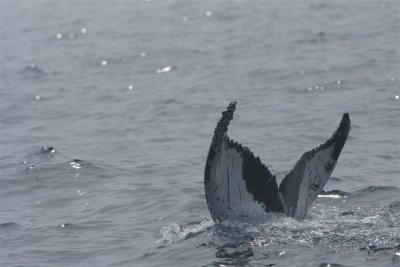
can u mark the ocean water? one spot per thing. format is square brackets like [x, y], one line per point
[107, 111]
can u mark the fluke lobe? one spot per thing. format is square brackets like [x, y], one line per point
[237, 183]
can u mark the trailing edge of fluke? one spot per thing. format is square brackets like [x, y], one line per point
[236, 182]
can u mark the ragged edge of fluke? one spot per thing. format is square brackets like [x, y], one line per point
[222, 127]
[236, 181]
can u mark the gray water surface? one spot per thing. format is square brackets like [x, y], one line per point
[107, 111]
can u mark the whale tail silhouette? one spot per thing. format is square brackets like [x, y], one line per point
[237, 182]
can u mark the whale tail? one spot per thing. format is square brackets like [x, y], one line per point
[235, 179]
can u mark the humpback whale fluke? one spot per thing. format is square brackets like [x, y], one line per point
[236, 182]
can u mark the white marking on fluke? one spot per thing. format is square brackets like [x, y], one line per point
[237, 183]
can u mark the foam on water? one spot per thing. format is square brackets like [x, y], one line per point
[174, 232]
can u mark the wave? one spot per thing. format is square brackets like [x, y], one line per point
[376, 189]
[370, 189]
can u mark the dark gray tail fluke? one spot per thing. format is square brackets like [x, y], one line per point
[215, 183]
[237, 182]
[235, 179]
[305, 181]
[219, 133]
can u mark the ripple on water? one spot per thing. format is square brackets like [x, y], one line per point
[33, 71]
[9, 227]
